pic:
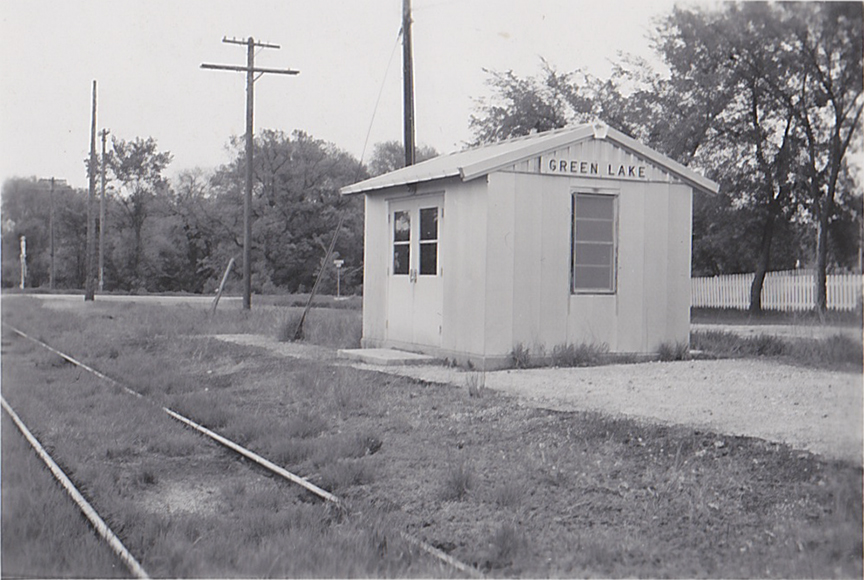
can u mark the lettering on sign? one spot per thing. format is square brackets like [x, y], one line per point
[593, 169]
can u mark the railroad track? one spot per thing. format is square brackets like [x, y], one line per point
[113, 540]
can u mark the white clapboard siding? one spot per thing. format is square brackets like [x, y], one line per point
[789, 290]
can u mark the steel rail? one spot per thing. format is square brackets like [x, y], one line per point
[267, 464]
[92, 515]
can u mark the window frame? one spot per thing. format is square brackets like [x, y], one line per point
[613, 286]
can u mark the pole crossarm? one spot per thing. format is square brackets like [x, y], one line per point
[245, 42]
[238, 68]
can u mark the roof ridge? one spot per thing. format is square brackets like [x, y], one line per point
[565, 128]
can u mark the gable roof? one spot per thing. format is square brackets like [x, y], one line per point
[479, 161]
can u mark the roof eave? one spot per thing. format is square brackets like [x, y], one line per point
[683, 172]
[492, 164]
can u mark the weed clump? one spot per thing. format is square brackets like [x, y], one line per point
[521, 356]
[674, 351]
[509, 494]
[346, 473]
[476, 383]
[504, 548]
[582, 355]
[457, 483]
[287, 329]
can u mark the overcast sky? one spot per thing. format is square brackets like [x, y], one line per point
[146, 54]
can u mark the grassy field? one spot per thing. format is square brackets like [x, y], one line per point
[515, 491]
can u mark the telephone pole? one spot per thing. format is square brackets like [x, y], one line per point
[52, 182]
[90, 280]
[408, 83]
[51, 277]
[104, 133]
[250, 71]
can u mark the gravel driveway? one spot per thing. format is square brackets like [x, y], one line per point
[814, 410]
[820, 411]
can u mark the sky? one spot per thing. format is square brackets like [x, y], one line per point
[146, 54]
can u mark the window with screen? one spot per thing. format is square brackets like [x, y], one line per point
[401, 242]
[594, 243]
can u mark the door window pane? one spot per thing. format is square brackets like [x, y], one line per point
[429, 258]
[401, 226]
[429, 241]
[400, 258]
[594, 240]
[429, 223]
[401, 242]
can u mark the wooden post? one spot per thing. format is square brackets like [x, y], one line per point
[221, 287]
[51, 235]
[408, 82]
[90, 278]
[247, 198]
[104, 133]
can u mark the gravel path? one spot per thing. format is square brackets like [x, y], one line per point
[814, 410]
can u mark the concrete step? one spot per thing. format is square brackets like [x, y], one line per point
[386, 356]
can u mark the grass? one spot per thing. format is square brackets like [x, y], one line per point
[31, 496]
[458, 481]
[517, 490]
[836, 352]
[335, 329]
[736, 316]
[671, 351]
[563, 355]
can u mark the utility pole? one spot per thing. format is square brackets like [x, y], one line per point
[250, 71]
[104, 134]
[90, 280]
[52, 183]
[51, 236]
[408, 83]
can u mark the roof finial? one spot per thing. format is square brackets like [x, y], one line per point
[600, 129]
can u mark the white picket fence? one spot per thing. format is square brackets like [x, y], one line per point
[789, 290]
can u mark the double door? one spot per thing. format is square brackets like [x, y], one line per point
[415, 297]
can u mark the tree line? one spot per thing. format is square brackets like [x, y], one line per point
[766, 99]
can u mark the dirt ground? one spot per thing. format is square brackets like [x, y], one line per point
[814, 410]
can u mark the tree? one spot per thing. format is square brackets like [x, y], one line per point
[390, 155]
[753, 136]
[295, 208]
[136, 166]
[827, 37]
[26, 210]
[520, 106]
[766, 98]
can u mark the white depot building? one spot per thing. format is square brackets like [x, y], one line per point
[577, 235]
